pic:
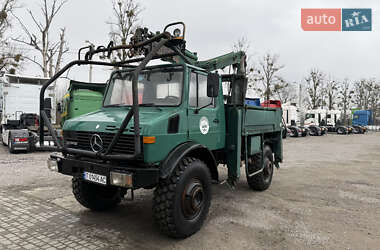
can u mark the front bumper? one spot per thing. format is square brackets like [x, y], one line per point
[142, 177]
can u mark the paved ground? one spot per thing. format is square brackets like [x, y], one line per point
[325, 196]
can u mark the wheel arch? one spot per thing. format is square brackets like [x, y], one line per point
[189, 149]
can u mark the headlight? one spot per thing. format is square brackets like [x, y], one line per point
[121, 179]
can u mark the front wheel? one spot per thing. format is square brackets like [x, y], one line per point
[262, 180]
[181, 201]
[95, 197]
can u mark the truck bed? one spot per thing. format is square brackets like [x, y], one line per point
[258, 120]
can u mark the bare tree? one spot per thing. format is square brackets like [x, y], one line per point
[268, 74]
[345, 96]
[360, 97]
[50, 51]
[126, 16]
[314, 83]
[10, 57]
[286, 93]
[332, 93]
[373, 91]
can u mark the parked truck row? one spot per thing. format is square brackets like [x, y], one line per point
[320, 121]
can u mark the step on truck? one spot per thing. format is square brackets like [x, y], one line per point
[166, 127]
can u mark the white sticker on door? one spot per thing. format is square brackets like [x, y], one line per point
[203, 125]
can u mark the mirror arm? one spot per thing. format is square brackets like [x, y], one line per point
[196, 111]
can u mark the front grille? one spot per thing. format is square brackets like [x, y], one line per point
[81, 140]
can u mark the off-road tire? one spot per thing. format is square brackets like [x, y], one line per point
[95, 197]
[169, 203]
[261, 181]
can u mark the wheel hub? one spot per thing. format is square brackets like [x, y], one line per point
[192, 199]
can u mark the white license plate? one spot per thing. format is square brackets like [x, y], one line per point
[97, 178]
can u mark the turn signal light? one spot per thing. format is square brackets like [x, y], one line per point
[149, 139]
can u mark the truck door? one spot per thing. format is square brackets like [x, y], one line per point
[206, 125]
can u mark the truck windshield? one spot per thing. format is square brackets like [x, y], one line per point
[156, 87]
[308, 116]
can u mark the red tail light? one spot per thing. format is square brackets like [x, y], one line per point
[25, 139]
[36, 122]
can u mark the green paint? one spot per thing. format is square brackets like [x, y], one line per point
[81, 98]
[254, 145]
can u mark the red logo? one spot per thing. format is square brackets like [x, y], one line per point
[321, 19]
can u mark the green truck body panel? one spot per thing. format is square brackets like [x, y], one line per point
[234, 141]
[82, 98]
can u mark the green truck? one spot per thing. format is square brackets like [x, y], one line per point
[81, 98]
[167, 127]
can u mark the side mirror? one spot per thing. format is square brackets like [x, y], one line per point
[59, 107]
[47, 103]
[212, 85]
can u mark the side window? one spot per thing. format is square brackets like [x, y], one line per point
[203, 99]
[198, 91]
[193, 90]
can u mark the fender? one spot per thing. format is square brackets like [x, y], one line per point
[189, 149]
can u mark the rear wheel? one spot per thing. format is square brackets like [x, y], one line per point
[262, 180]
[181, 202]
[10, 148]
[340, 131]
[95, 197]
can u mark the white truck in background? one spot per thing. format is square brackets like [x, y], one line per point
[291, 114]
[20, 110]
[322, 117]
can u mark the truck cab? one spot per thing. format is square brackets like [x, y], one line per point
[20, 110]
[174, 108]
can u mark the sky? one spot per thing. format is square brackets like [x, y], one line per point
[213, 26]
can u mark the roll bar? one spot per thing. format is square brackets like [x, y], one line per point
[141, 43]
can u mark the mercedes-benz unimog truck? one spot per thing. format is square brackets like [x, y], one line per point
[167, 127]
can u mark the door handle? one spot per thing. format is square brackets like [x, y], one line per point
[215, 120]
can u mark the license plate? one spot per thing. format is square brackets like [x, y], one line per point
[97, 178]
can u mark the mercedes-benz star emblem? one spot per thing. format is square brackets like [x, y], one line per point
[96, 143]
